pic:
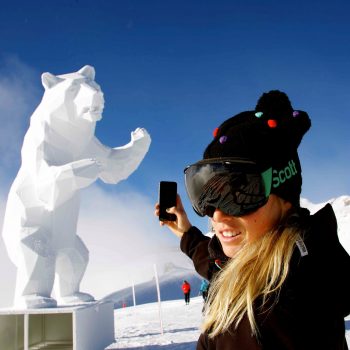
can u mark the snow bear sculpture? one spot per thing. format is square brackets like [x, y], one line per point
[60, 156]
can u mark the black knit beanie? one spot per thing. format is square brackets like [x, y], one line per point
[270, 136]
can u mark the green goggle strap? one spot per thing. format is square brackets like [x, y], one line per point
[267, 177]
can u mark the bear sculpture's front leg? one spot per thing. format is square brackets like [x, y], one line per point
[122, 161]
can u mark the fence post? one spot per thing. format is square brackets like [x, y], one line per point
[159, 303]
[133, 293]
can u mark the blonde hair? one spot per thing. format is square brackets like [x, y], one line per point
[257, 271]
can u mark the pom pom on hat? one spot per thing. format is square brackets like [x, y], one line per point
[275, 105]
[269, 135]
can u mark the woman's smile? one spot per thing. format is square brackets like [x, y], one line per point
[228, 234]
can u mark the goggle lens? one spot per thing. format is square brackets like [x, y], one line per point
[234, 186]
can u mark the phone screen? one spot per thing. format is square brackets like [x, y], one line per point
[167, 199]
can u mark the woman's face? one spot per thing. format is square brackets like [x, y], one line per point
[234, 231]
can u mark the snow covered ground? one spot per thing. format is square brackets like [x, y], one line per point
[139, 327]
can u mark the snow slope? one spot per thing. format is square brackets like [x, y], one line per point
[169, 284]
[139, 327]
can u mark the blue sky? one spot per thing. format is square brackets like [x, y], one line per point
[180, 68]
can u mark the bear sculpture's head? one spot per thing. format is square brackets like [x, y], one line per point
[73, 97]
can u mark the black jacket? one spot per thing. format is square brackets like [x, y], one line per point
[313, 300]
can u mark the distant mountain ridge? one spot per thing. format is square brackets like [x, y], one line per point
[170, 281]
[169, 284]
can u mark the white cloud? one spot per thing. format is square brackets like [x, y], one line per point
[7, 269]
[124, 239]
[19, 92]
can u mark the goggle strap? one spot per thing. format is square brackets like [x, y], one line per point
[267, 177]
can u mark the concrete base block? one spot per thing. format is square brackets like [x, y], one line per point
[85, 327]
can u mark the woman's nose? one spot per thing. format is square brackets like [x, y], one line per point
[220, 216]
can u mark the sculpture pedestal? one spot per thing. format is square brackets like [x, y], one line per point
[86, 327]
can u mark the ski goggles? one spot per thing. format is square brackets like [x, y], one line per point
[235, 186]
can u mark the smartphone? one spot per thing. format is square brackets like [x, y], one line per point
[167, 199]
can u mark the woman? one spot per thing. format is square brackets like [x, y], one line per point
[276, 272]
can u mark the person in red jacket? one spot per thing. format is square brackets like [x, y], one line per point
[276, 272]
[186, 288]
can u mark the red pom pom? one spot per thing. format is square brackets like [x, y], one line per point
[215, 132]
[272, 123]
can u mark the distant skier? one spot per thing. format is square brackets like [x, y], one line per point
[186, 288]
[204, 289]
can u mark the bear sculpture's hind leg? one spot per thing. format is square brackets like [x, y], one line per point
[35, 278]
[70, 267]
